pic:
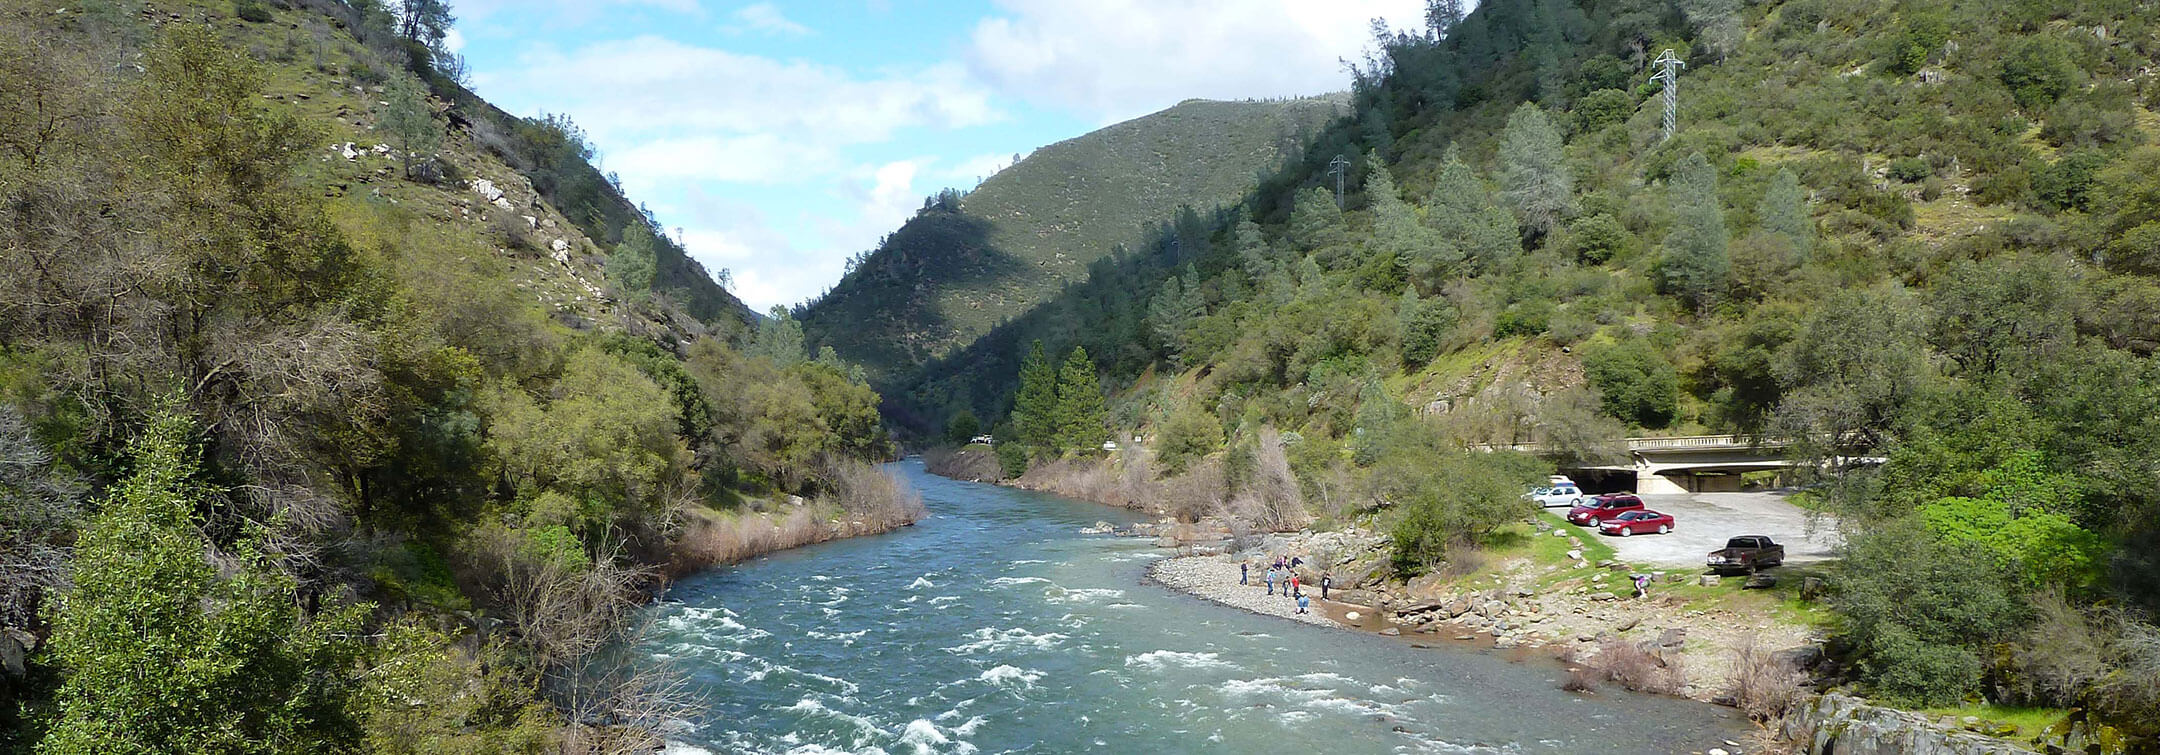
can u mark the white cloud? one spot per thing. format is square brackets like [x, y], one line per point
[766, 18]
[1117, 59]
[967, 172]
[762, 157]
[649, 86]
[567, 12]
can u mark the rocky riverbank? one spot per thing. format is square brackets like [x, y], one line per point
[1575, 610]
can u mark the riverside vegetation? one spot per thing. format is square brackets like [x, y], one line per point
[312, 446]
[1923, 231]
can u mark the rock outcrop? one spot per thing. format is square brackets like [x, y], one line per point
[1835, 724]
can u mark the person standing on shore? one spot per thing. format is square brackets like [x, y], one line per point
[1244, 570]
[1326, 581]
[1271, 580]
[1294, 591]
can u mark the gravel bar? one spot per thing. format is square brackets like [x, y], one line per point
[1216, 578]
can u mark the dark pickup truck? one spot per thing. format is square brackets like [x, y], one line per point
[1747, 553]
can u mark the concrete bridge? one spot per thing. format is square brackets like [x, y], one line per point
[1677, 464]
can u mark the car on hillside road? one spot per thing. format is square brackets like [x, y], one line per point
[1637, 523]
[1564, 494]
[1597, 511]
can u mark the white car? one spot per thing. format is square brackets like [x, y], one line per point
[1563, 496]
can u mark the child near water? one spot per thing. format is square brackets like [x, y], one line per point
[1303, 602]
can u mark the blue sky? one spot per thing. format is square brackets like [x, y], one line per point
[784, 137]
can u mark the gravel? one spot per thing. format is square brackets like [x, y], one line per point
[1215, 578]
[1704, 520]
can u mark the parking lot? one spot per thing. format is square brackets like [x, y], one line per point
[1704, 520]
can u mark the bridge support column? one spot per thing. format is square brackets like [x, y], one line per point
[1648, 481]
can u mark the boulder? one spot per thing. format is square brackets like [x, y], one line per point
[1672, 638]
[1352, 616]
[1420, 606]
[1711, 580]
[1391, 632]
[1760, 581]
[1836, 724]
[15, 647]
[1456, 607]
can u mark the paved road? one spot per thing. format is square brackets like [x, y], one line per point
[1704, 520]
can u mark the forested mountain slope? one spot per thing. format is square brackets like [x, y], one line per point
[1920, 231]
[341, 411]
[966, 263]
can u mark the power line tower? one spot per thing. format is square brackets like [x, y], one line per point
[1669, 72]
[1338, 167]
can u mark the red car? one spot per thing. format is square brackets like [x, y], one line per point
[1638, 521]
[1602, 509]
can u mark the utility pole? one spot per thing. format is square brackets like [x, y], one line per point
[1338, 166]
[1669, 72]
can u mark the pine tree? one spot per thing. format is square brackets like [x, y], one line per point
[425, 25]
[1533, 170]
[1441, 16]
[1081, 413]
[1034, 412]
[1317, 228]
[1176, 304]
[1697, 262]
[633, 264]
[1783, 214]
[1396, 232]
[411, 122]
[780, 338]
[1470, 223]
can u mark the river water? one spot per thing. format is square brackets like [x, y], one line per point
[993, 626]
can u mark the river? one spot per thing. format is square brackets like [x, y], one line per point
[994, 626]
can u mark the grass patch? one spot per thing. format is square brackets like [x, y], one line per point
[2029, 722]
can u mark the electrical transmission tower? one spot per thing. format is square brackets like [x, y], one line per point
[1338, 167]
[1669, 72]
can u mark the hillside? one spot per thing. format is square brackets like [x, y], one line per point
[962, 266]
[1918, 231]
[342, 411]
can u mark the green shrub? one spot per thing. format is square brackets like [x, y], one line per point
[1426, 323]
[1602, 108]
[1910, 169]
[1528, 318]
[1444, 499]
[1918, 611]
[2067, 183]
[1012, 459]
[1190, 432]
[2038, 70]
[1637, 385]
[251, 11]
[962, 427]
[1600, 238]
[1915, 40]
